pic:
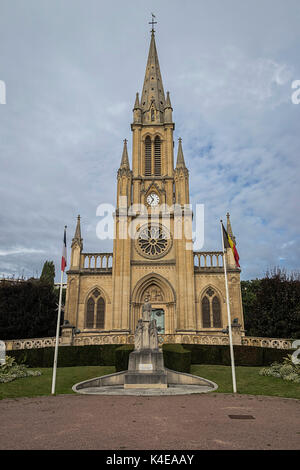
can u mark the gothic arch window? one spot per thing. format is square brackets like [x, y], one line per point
[157, 156]
[211, 310]
[95, 311]
[147, 156]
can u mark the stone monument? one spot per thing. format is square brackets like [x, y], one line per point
[146, 363]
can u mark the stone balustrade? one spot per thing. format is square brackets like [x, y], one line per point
[83, 340]
[99, 261]
[275, 343]
[208, 259]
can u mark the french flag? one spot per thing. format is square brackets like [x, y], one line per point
[64, 252]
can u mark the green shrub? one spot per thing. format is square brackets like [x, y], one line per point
[287, 370]
[205, 354]
[243, 355]
[11, 370]
[122, 357]
[68, 356]
[176, 357]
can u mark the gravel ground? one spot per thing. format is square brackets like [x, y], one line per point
[150, 423]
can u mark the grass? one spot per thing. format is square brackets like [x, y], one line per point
[248, 381]
[66, 377]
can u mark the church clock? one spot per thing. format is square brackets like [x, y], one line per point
[153, 199]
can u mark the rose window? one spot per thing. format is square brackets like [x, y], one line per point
[153, 241]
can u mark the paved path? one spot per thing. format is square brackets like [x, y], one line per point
[161, 423]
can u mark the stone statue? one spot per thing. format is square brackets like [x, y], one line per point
[146, 311]
[153, 335]
[138, 335]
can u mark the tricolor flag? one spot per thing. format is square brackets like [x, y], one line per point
[64, 252]
[228, 243]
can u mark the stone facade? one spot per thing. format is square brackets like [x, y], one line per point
[106, 291]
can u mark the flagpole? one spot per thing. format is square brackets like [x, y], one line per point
[228, 314]
[57, 333]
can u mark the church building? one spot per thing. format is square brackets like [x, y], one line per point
[186, 289]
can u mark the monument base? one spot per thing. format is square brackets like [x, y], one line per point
[146, 369]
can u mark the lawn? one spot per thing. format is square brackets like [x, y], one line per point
[248, 381]
[66, 377]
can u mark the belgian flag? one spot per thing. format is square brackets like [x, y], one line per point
[228, 243]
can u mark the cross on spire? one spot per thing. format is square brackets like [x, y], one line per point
[153, 23]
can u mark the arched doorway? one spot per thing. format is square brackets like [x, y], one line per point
[161, 295]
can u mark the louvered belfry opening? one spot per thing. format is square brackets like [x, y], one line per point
[157, 156]
[148, 156]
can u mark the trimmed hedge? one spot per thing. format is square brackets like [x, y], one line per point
[122, 357]
[68, 356]
[243, 355]
[176, 357]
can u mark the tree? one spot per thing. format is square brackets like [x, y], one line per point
[27, 309]
[48, 273]
[272, 305]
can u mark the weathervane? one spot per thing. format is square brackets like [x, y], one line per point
[153, 23]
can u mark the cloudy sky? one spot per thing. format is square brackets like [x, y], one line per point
[71, 70]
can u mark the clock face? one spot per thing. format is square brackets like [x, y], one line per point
[153, 199]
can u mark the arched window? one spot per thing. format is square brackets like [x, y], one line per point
[148, 156]
[205, 312]
[157, 156]
[216, 308]
[211, 310]
[100, 313]
[90, 308]
[95, 311]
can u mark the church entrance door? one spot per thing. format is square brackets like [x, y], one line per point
[158, 314]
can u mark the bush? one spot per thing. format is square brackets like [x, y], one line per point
[11, 370]
[176, 357]
[243, 355]
[122, 357]
[68, 356]
[287, 370]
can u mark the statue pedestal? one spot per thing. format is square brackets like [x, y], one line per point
[146, 370]
[146, 362]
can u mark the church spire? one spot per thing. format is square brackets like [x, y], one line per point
[229, 229]
[180, 158]
[153, 95]
[77, 240]
[125, 160]
[77, 234]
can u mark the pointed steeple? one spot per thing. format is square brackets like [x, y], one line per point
[125, 160]
[229, 229]
[137, 111]
[137, 102]
[77, 240]
[153, 90]
[180, 158]
[77, 234]
[168, 110]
